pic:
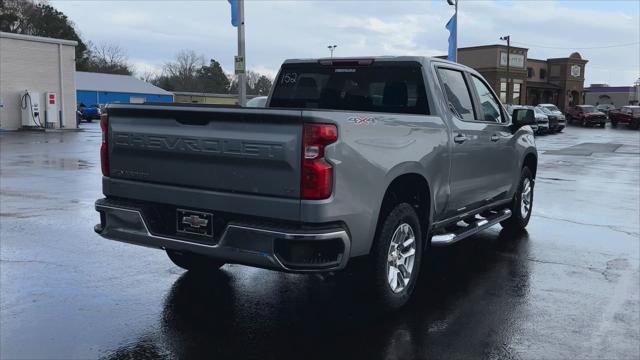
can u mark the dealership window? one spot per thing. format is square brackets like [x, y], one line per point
[530, 72]
[516, 93]
[503, 91]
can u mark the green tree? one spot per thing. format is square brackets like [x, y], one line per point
[257, 84]
[40, 19]
[262, 86]
[212, 78]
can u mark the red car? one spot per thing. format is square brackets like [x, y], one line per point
[629, 115]
[586, 115]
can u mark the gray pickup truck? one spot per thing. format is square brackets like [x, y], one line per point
[381, 157]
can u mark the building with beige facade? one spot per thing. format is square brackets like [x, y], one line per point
[558, 81]
[42, 66]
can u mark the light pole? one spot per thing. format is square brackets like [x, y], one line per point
[242, 77]
[455, 4]
[508, 39]
[332, 48]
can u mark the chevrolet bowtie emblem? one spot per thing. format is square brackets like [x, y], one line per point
[194, 221]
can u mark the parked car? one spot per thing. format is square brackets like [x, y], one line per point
[586, 115]
[542, 119]
[629, 115]
[89, 113]
[605, 108]
[258, 101]
[557, 121]
[378, 157]
[542, 122]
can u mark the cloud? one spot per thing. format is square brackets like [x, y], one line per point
[152, 32]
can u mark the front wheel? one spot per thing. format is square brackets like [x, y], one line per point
[396, 255]
[193, 262]
[522, 203]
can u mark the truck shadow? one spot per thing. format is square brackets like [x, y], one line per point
[468, 304]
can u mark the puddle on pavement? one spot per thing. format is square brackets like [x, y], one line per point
[63, 164]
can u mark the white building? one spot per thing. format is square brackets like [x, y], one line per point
[43, 66]
[618, 96]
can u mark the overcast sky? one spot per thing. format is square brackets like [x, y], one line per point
[153, 31]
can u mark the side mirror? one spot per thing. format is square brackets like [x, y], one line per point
[522, 117]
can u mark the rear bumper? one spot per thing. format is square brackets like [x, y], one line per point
[284, 249]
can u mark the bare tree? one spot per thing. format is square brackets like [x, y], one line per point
[108, 58]
[149, 76]
[252, 78]
[182, 73]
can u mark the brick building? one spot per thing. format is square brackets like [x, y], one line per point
[559, 81]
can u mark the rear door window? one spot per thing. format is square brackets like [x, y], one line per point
[457, 92]
[489, 104]
[376, 88]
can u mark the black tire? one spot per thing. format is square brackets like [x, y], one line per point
[584, 122]
[402, 214]
[569, 119]
[614, 123]
[193, 262]
[518, 221]
[89, 120]
[602, 125]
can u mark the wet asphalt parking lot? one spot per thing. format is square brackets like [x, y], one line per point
[568, 288]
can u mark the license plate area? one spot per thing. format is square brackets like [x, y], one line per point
[194, 222]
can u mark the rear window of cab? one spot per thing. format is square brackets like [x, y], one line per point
[378, 87]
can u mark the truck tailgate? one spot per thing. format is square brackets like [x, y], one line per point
[250, 151]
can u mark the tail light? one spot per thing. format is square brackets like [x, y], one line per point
[317, 173]
[104, 147]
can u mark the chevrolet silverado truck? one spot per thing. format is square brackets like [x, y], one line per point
[586, 115]
[381, 157]
[629, 115]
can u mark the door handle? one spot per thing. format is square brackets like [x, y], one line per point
[495, 137]
[460, 138]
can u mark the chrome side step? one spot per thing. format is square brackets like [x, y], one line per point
[465, 230]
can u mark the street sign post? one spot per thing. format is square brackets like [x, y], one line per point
[239, 65]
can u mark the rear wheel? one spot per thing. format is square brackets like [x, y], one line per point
[193, 262]
[395, 257]
[522, 203]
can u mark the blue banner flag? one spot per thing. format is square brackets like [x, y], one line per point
[234, 12]
[451, 26]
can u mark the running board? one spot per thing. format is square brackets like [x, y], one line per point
[462, 232]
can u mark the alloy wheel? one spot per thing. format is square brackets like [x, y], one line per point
[401, 257]
[526, 197]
